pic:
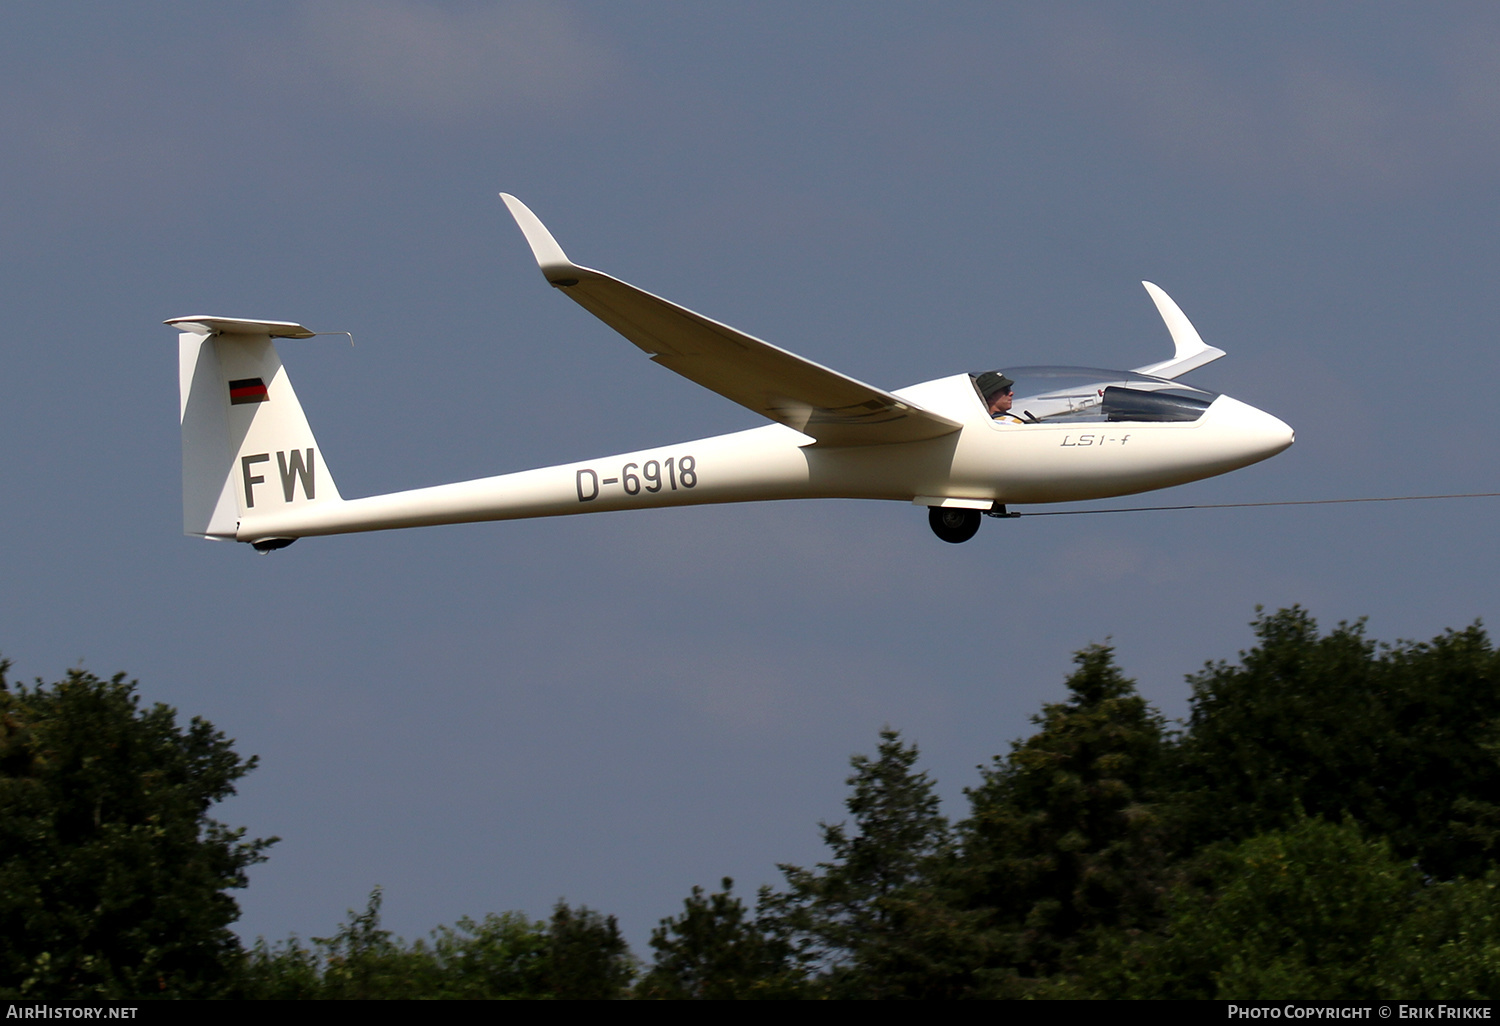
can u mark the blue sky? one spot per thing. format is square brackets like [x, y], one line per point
[611, 709]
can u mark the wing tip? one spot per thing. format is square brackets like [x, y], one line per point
[550, 258]
[1190, 351]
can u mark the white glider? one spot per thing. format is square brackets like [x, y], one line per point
[252, 471]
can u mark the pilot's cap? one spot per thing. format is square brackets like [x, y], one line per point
[991, 382]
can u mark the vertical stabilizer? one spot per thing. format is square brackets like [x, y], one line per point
[246, 444]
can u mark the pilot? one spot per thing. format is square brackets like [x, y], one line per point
[996, 389]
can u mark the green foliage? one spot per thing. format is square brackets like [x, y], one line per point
[1269, 898]
[579, 954]
[1065, 837]
[586, 958]
[1311, 912]
[866, 922]
[1326, 826]
[361, 962]
[1449, 947]
[1406, 739]
[501, 956]
[715, 951]
[112, 874]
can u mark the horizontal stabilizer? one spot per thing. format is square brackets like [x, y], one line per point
[239, 326]
[1192, 352]
[831, 407]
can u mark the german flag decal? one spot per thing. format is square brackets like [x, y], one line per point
[247, 390]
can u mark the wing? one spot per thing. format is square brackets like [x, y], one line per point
[832, 408]
[1191, 351]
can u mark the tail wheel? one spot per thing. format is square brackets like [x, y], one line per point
[953, 525]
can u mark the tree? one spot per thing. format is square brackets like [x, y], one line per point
[362, 961]
[579, 954]
[586, 958]
[1314, 912]
[1066, 835]
[1404, 738]
[113, 877]
[501, 956]
[867, 922]
[1449, 947]
[716, 951]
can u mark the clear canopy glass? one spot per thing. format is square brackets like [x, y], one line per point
[1090, 394]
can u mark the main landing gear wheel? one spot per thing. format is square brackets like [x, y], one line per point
[953, 525]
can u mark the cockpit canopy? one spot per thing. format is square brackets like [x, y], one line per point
[1089, 395]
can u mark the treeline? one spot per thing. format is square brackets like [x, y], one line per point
[1325, 824]
[578, 954]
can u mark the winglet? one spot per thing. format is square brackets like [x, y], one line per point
[1191, 351]
[555, 265]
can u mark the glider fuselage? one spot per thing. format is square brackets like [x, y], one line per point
[983, 465]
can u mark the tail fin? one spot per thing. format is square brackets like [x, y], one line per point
[246, 445]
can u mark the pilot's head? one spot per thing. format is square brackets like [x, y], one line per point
[996, 389]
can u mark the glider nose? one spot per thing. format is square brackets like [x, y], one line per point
[1285, 435]
[1271, 434]
[1275, 434]
[1256, 434]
